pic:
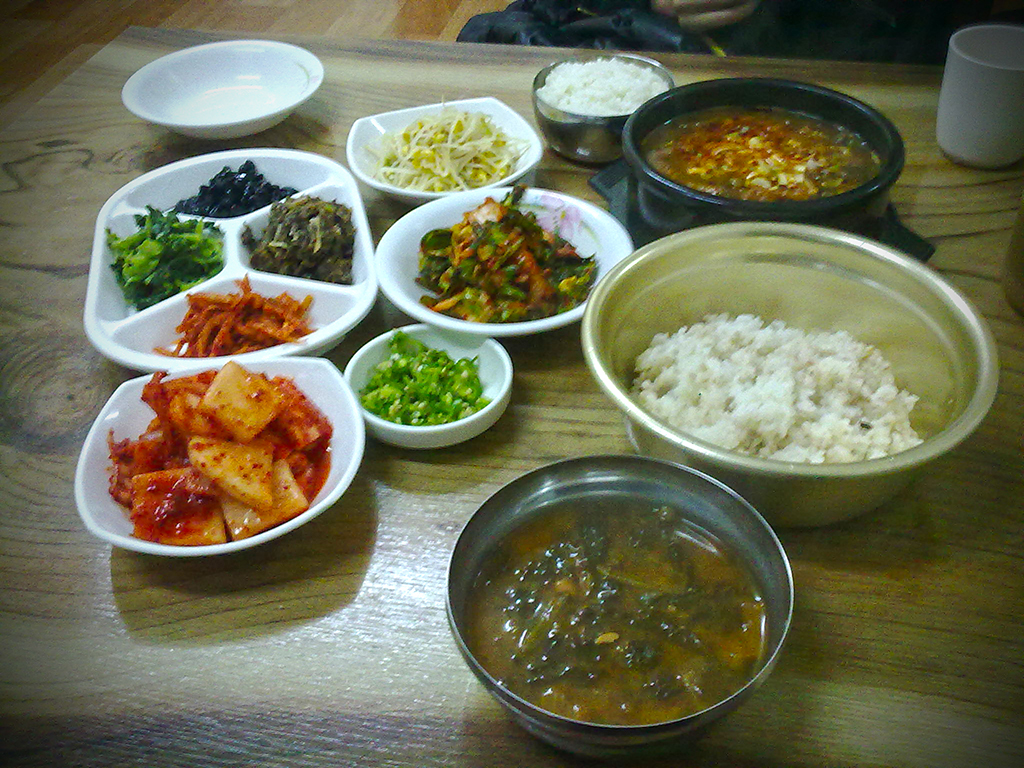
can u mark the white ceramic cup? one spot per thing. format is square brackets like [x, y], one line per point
[980, 120]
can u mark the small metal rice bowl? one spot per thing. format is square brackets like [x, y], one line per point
[587, 138]
[814, 278]
[703, 502]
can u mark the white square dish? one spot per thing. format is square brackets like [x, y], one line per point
[128, 416]
[368, 131]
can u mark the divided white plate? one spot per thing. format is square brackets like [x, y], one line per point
[130, 337]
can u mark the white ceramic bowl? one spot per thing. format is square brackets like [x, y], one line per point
[367, 132]
[224, 90]
[129, 337]
[495, 368]
[593, 231]
[128, 416]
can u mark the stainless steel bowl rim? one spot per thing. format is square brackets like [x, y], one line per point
[954, 433]
[668, 728]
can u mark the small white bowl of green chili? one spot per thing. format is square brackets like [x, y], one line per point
[424, 387]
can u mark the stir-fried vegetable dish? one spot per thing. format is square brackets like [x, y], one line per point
[618, 613]
[420, 386]
[498, 265]
[451, 150]
[760, 154]
[165, 256]
[229, 454]
[305, 237]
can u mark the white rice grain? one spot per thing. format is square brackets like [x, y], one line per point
[601, 87]
[776, 392]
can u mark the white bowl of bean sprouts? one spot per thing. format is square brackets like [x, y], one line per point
[428, 152]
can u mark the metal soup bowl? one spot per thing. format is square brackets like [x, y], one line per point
[703, 501]
[813, 278]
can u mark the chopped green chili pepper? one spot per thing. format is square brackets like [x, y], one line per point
[420, 386]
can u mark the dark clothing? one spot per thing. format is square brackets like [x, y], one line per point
[910, 31]
[606, 24]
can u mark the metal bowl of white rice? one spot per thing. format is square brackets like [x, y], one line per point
[582, 103]
[814, 371]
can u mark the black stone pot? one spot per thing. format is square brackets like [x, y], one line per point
[664, 206]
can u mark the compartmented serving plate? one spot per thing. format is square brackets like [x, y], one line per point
[130, 337]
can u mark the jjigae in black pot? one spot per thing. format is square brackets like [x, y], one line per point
[666, 206]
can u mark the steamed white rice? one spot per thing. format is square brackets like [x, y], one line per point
[601, 87]
[776, 392]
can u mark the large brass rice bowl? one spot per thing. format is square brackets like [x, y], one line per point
[812, 278]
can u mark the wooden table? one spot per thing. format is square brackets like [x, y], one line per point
[330, 646]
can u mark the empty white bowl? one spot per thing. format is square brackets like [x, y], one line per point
[494, 366]
[224, 90]
[592, 230]
[368, 131]
[128, 416]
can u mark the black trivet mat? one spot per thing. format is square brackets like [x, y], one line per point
[612, 183]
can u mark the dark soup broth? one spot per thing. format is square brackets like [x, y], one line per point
[762, 154]
[616, 612]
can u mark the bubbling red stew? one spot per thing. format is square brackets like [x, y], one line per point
[617, 613]
[762, 154]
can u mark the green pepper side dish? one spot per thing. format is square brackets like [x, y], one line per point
[165, 257]
[419, 386]
[499, 265]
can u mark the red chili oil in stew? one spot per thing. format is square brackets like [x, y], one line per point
[617, 613]
[760, 154]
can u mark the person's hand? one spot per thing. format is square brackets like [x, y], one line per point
[700, 15]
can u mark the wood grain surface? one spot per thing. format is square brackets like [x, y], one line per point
[41, 41]
[329, 646]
